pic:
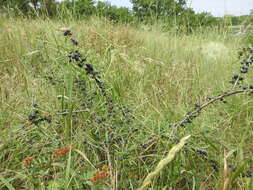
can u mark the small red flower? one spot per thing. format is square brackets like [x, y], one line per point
[27, 161]
[62, 151]
[99, 176]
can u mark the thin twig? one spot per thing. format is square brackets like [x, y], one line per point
[198, 110]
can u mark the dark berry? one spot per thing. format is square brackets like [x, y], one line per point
[67, 33]
[32, 116]
[75, 42]
[202, 152]
[35, 105]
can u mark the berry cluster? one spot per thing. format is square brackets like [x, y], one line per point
[246, 56]
[89, 70]
[247, 60]
[67, 32]
[76, 56]
[35, 116]
[115, 116]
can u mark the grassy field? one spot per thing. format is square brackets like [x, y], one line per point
[108, 124]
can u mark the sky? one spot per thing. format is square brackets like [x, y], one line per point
[216, 7]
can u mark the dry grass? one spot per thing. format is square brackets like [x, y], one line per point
[158, 75]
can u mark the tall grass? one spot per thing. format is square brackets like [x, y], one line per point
[154, 78]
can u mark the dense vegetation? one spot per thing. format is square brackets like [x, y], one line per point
[171, 12]
[95, 100]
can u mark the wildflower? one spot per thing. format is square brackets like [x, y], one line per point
[99, 176]
[62, 151]
[27, 161]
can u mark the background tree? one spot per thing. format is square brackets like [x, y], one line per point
[85, 7]
[113, 12]
[79, 7]
[47, 7]
[158, 8]
[22, 5]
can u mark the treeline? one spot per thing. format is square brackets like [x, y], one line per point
[239, 20]
[78, 8]
[170, 11]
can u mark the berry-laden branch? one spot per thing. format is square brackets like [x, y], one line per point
[246, 56]
[199, 107]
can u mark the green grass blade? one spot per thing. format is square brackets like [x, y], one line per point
[6, 183]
